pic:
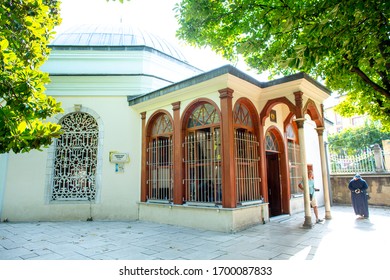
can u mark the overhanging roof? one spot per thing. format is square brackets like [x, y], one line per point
[226, 69]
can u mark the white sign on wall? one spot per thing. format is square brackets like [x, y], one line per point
[119, 159]
[116, 157]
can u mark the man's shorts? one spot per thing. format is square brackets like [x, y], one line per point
[313, 202]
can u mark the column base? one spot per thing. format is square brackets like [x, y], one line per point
[307, 223]
[328, 215]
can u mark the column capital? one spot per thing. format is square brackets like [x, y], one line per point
[300, 122]
[299, 104]
[176, 105]
[320, 130]
[226, 93]
[143, 115]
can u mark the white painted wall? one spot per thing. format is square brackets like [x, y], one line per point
[26, 195]
[83, 77]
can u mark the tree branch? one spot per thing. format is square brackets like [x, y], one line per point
[368, 81]
[385, 79]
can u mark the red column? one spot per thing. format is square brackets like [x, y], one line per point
[229, 192]
[177, 155]
[143, 158]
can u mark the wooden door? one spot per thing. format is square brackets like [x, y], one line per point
[274, 188]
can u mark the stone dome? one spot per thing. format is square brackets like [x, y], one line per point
[109, 35]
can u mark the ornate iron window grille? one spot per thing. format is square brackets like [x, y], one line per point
[75, 161]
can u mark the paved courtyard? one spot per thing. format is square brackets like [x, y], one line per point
[343, 237]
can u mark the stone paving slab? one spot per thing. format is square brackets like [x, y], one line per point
[282, 239]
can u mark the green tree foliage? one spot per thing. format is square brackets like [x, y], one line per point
[25, 30]
[343, 42]
[354, 140]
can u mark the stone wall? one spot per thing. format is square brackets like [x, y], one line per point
[378, 188]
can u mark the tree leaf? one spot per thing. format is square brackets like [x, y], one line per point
[22, 126]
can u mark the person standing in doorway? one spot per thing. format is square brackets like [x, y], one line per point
[312, 190]
[359, 197]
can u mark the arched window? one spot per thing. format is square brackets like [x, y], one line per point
[271, 143]
[75, 163]
[290, 133]
[202, 155]
[242, 116]
[246, 156]
[294, 158]
[159, 164]
[203, 115]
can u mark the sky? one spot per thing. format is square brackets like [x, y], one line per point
[155, 16]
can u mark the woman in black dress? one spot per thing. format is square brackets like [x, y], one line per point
[359, 196]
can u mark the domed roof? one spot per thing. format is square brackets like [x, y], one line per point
[108, 35]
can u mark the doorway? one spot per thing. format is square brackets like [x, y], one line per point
[274, 186]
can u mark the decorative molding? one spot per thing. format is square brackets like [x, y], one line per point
[226, 93]
[176, 106]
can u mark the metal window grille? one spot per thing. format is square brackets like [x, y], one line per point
[202, 163]
[160, 181]
[294, 161]
[247, 167]
[76, 159]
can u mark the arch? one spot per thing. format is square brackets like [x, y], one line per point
[75, 159]
[157, 114]
[252, 112]
[246, 151]
[194, 104]
[276, 162]
[159, 154]
[202, 152]
[80, 108]
[291, 130]
[294, 157]
[51, 159]
[278, 136]
[272, 141]
[273, 102]
[310, 108]
[288, 120]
